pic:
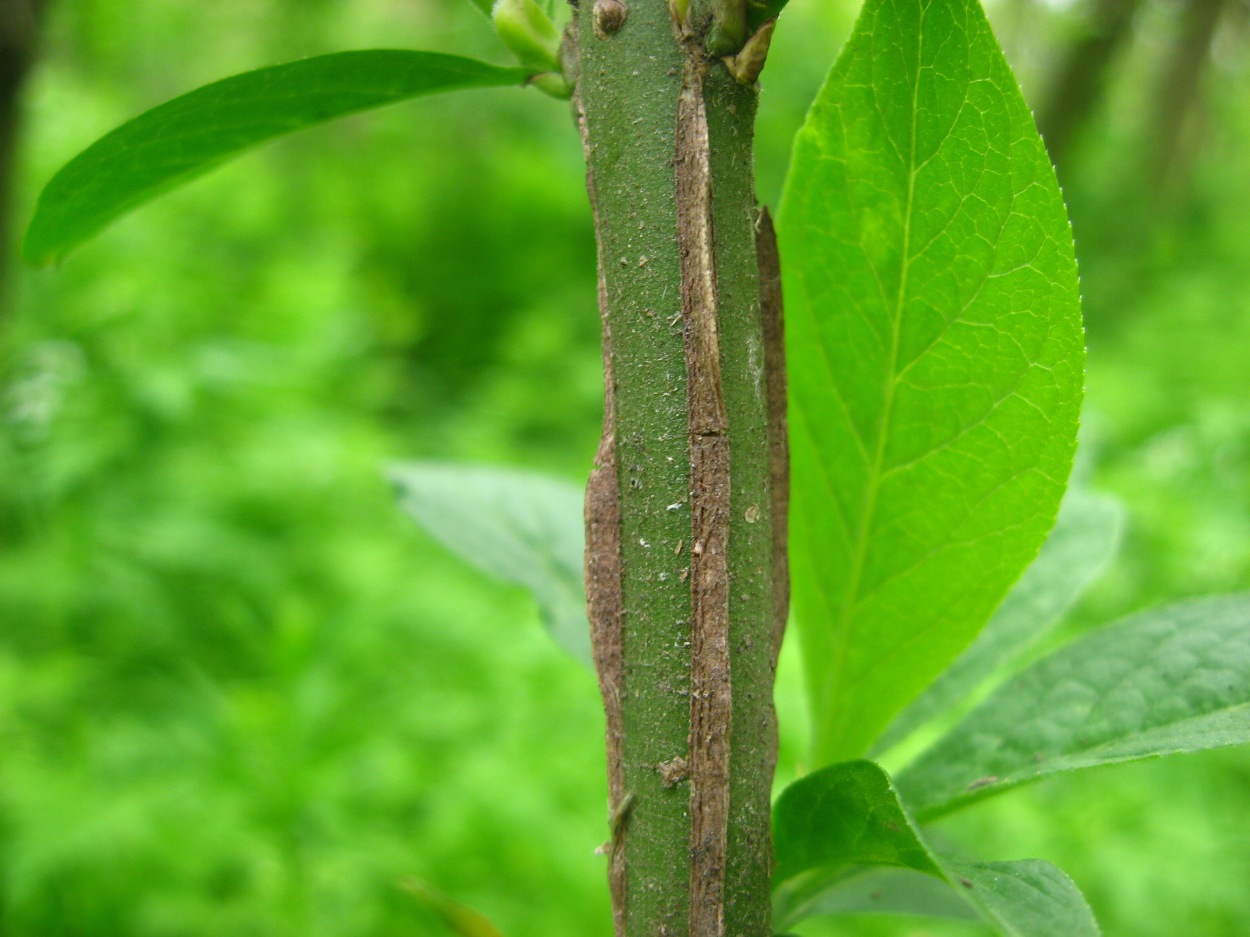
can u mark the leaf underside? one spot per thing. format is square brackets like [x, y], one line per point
[191, 134]
[1170, 680]
[936, 358]
[870, 890]
[849, 815]
[517, 526]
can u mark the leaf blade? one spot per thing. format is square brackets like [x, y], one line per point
[1082, 543]
[936, 357]
[517, 526]
[191, 134]
[849, 814]
[1170, 680]
[874, 890]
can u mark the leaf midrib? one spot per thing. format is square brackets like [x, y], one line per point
[858, 547]
[1081, 759]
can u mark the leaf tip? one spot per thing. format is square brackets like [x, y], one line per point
[37, 252]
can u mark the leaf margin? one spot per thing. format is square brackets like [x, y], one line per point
[931, 799]
[887, 818]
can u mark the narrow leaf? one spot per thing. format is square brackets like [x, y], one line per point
[191, 134]
[1174, 679]
[460, 919]
[849, 814]
[1084, 540]
[936, 358]
[518, 526]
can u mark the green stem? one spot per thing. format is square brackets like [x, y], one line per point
[685, 566]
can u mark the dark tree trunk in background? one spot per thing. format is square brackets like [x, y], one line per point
[19, 30]
[1175, 126]
[1081, 77]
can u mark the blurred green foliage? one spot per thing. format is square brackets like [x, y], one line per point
[241, 694]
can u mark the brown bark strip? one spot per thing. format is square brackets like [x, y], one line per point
[604, 603]
[772, 313]
[710, 692]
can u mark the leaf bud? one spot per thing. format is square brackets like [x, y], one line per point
[749, 62]
[528, 33]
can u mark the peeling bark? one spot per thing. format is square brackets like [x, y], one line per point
[603, 589]
[711, 695]
[773, 319]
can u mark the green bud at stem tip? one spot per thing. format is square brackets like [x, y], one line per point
[528, 33]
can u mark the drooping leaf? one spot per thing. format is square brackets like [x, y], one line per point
[185, 137]
[1084, 540]
[1174, 679]
[870, 890]
[936, 358]
[849, 814]
[521, 527]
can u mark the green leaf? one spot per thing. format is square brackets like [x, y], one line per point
[867, 891]
[1085, 538]
[936, 358]
[191, 134]
[849, 814]
[1174, 679]
[518, 526]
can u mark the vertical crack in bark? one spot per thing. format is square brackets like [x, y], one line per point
[710, 691]
[604, 601]
[772, 313]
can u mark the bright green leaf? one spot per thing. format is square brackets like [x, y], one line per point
[521, 527]
[191, 134]
[1174, 679]
[936, 358]
[1084, 540]
[848, 815]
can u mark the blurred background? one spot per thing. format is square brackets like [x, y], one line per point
[241, 694]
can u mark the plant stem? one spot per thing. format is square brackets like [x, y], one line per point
[685, 566]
